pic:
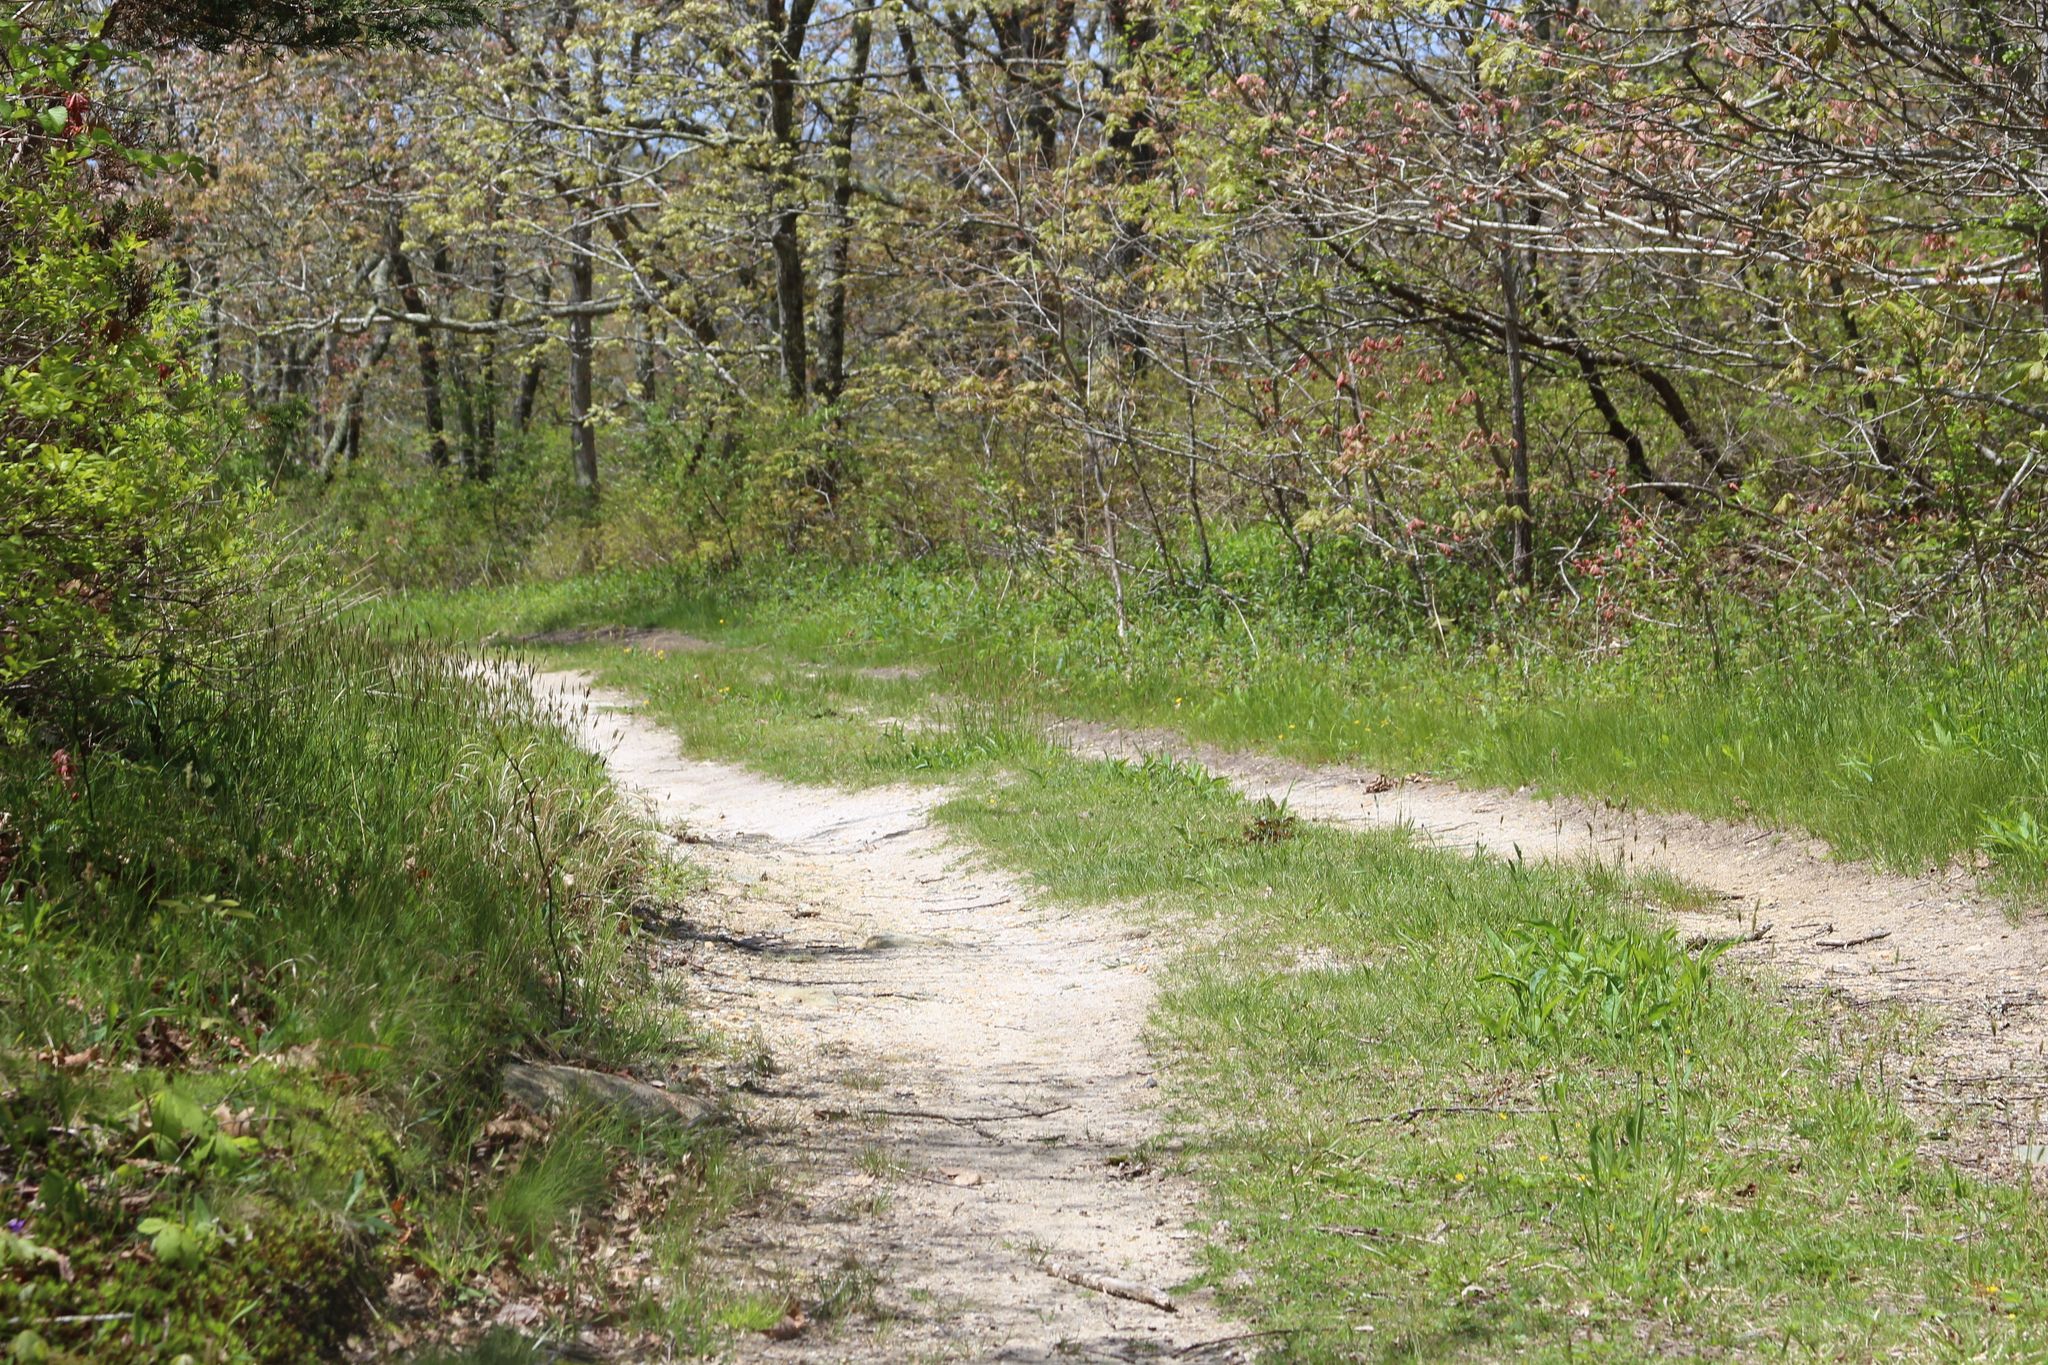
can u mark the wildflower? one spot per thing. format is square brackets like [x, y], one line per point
[17, 1226]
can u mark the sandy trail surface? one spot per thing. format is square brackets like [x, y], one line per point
[1971, 970]
[953, 1084]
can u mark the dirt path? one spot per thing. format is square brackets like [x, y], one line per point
[1865, 938]
[952, 1080]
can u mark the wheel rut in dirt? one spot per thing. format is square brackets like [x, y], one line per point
[953, 1085]
[1863, 938]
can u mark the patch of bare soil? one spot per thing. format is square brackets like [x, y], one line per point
[950, 1079]
[1865, 939]
[890, 672]
[639, 637]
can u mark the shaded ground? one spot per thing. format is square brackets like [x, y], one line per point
[639, 637]
[951, 1080]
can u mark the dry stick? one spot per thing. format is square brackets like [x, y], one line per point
[962, 1119]
[977, 905]
[1410, 1115]
[1699, 941]
[1214, 1342]
[1110, 1285]
[1853, 942]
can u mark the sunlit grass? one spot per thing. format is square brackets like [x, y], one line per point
[1914, 756]
[1405, 1162]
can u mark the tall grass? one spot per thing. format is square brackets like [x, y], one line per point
[1914, 748]
[280, 925]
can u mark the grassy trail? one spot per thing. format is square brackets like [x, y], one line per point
[1913, 759]
[1449, 1107]
[947, 1076]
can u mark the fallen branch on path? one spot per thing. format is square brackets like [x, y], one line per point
[1699, 941]
[977, 905]
[1110, 1285]
[962, 1119]
[1853, 942]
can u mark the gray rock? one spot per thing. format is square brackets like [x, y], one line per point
[547, 1087]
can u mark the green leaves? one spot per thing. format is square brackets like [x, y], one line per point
[1570, 980]
[179, 1243]
[183, 1133]
[109, 435]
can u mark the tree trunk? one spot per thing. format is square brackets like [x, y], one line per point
[787, 29]
[1523, 528]
[582, 434]
[839, 246]
[485, 463]
[415, 303]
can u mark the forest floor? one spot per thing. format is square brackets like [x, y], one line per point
[948, 1077]
[969, 942]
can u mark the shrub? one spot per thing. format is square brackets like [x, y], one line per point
[117, 538]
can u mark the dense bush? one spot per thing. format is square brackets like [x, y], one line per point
[117, 538]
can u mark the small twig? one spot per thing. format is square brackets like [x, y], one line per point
[1110, 1285]
[74, 1318]
[1856, 942]
[978, 905]
[1410, 1115]
[1699, 941]
[529, 812]
[1241, 1336]
[964, 1120]
[1365, 1234]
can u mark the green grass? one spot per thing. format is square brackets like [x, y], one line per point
[1454, 1109]
[1417, 1156]
[264, 939]
[1912, 751]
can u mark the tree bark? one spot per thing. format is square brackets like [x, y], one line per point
[582, 432]
[423, 335]
[787, 27]
[484, 465]
[839, 247]
[1522, 531]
